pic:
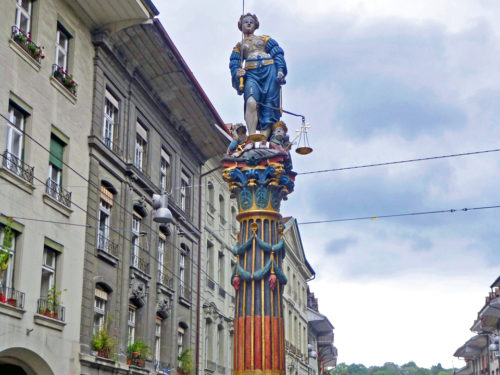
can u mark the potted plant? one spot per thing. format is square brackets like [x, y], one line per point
[66, 79]
[103, 343]
[6, 247]
[137, 352]
[53, 302]
[185, 362]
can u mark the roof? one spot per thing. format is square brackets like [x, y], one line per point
[496, 283]
[288, 222]
[149, 52]
[473, 347]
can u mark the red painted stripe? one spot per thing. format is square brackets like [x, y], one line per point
[235, 344]
[282, 345]
[258, 342]
[267, 332]
[241, 346]
[248, 342]
[275, 344]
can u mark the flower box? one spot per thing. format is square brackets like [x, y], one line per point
[65, 78]
[25, 42]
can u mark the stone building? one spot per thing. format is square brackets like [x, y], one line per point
[152, 129]
[322, 353]
[482, 352]
[45, 107]
[298, 272]
[219, 227]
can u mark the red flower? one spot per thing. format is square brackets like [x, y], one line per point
[236, 282]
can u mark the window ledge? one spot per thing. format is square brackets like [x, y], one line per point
[12, 311]
[56, 205]
[139, 273]
[63, 90]
[16, 180]
[165, 289]
[184, 302]
[45, 321]
[110, 258]
[25, 55]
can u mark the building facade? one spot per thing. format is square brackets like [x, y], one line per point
[298, 272]
[482, 352]
[322, 352]
[45, 106]
[152, 130]
[219, 228]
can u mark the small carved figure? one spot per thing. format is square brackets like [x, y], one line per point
[238, 144]
[281, 142]
[263, 74]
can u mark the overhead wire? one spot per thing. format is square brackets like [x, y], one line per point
[153, 231]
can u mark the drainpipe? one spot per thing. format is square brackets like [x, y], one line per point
[198, 320]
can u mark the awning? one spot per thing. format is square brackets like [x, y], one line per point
[473, 347]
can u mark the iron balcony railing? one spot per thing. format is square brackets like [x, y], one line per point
[18, 167]
[106, 245]
[222, 292]
[51, 309]
[139, 263]
[210, 284]
[184, 292]
[164, 279]
[11, 297]
[113, 146]
[54, 190]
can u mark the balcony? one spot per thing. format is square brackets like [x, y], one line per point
[211, 207]
[50, 309]
[184, 295]
[139, 263]
[12, 297]
[113, 146]
[24, 41]
[162, 367]
[55, 191]
[165, 280]
[106, 245]
[15, 165]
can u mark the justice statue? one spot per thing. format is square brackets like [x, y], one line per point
[258, 70]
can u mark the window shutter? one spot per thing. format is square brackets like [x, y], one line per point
[56, 152]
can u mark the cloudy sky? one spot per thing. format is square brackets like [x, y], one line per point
[380, 80]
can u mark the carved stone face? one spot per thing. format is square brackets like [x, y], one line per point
[279, 132]
[248, 25]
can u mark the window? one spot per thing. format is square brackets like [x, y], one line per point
[165, 171]
[222, 210]
[234, 222]
[185, 193]
[221, 270]
[207, 345]
[15, 140]
[136, 230]
[131, 325]
[161, 256]
[110, 120]
[140, 147]
[7, 280]
[100, 299]
[62, 46]
[210, 260]
[210, 198]
[220, 345]
[48, 271]
[158, 340]
[23, 15]
[106, 202]
[180, 339]
[54, 182]
[182, 261]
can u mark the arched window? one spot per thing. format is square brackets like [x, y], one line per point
[234, 222]
[102, 296]
[107, 198]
